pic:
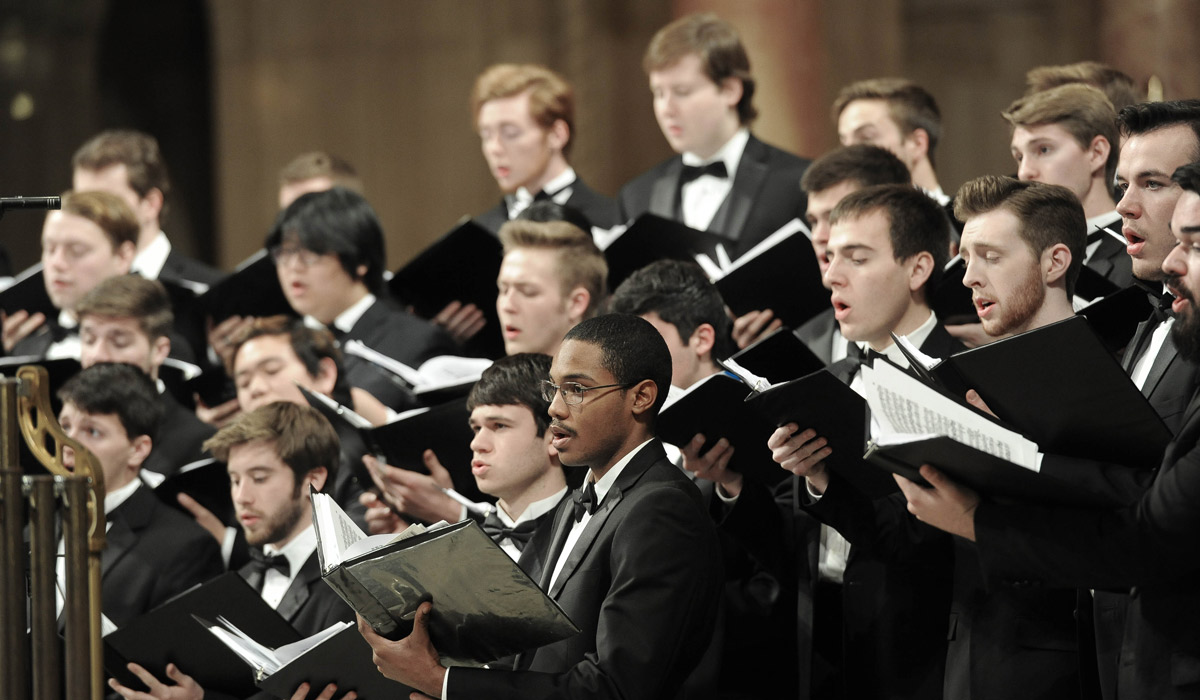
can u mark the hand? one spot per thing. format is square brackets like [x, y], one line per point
[185, 687]
[327, 694]
[970, 334]
[801, 453]
[418, 495]
[222, 336]
[204, 517]
[946, 506]
[218, 415]
[18, 326]
[754, 326]
[412, 661]
[461, 322]
[381, 519]
[366, 405]
[712, 465]
[977, 401]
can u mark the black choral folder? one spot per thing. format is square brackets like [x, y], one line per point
[779, 357]
[28, 293]
[650, 238]
[250, 290]
[784, 277]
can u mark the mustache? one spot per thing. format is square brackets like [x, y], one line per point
[557, 425]
[1175, 283]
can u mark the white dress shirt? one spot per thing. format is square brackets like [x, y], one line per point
[149, 261]
[559, 188]
[275, 584]
[701, 198]
[533, 511]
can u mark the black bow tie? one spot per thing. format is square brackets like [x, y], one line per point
[519, 535]
[260, 563]
[715, 168]
[1160, 301]
[585, 501]
[854, 352]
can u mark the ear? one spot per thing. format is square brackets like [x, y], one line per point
[326, 376]
[577, 303]
[360, 272]
[920, 141]
[731, 91]
[559, 135]
[125, 253]
[920, 268]
[1098, 152]
[139, 450]
[644, 395]
[159, 351]
[1056, 260]
[315, 476]
[702, 340]
[153, 202]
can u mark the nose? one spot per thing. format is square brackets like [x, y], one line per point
[504, 301]
[479, 444]
[833, 272]
[1026, 170]
[1127, 206]
[972, 278]
[558, 406]
[240, 492]
[1176, 261]
[68, 457]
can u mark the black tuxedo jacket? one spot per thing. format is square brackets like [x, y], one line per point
[601, 211]
[177, 438]
[180, 267]
[399, 335]
[1111, 260]
[817, 334]
[309, 605]
[153, 552]
[1149, 548]
[765, 195]
[533, 557]
[893, 633]
[642, 583]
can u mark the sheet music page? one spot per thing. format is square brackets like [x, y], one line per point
[336, 532]
[905, 409]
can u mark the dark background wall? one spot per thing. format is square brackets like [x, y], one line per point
[234, 89]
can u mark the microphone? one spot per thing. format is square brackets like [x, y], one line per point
[30, 203]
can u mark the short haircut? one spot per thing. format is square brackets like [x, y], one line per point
[1047, 214]
[721, 53]
[308, 166]
[631, 350]
[549, 210]
[311, 345]
[337, 221]
[1081, 110]
[551, 98]
[910, 106]
[580, 262]
[136, 150]
[515, 380]
[108, 211]
[1118, 87]
[1140, 119]
[131, 296]
[303, 438]
[916, 223]
[116, 389]
[861, 164]
[680, 294]
[1188, 177]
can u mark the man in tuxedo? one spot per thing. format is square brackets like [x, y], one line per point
[1148, 546]
[315, 171]
[1068, 136]
[329, 254]
[153, 552]
[865, 629]
[633, 557]
[91, 238]
[274, 455]
[724, 179]
[130, 165]
[525, 116]
[1023, 246]
[128, 319]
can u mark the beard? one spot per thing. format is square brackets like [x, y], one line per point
[279, 525]
[1021, 306]
[1186, 329]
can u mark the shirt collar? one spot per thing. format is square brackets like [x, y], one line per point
[554, 187]
[150, 260]
[345, 321]
[938, 195]
[297, 551]
[730, 153]
[114, 499]
[1103, 220]
[533, 511]
[605, 483]
[917, 338]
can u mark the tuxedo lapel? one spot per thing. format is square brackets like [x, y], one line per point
[731, 217]
[1158, 367]
[563, 519]
[1140, 337]
[129, 517]
[664, 195]
[297, 594]
[586, 538]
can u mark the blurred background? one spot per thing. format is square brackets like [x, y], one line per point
[234, 89]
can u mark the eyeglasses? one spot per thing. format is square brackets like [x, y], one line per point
[282, 255]
[572, 392]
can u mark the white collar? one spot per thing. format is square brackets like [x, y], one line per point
[533, 511]
[938, 195]
[730, 153]
[297, 551]
[345, 321]
[917, 338]
[150, 260]
[114, 499]
[67, 320]
[555, 187]
[605, 483]
[1102, 220]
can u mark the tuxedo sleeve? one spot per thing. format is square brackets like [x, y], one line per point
[664, 581]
